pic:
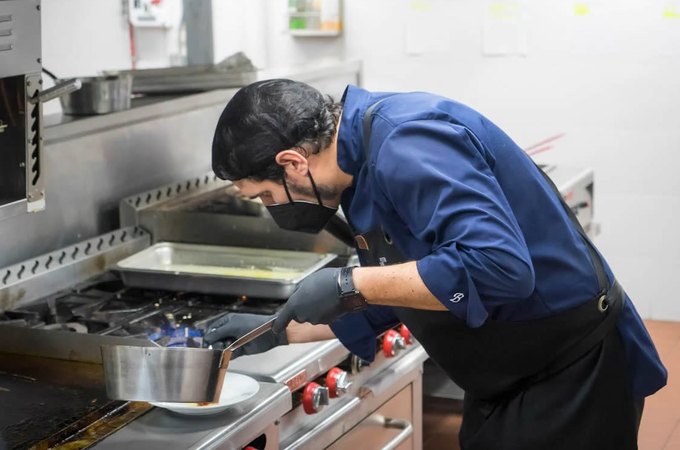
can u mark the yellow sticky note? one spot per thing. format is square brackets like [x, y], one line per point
[671, 12]
[504, 10]
[581, 9]
[421, 5]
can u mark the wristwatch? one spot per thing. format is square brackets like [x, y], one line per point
[350, 298]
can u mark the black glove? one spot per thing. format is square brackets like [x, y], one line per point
[315, 300]
[231, 326]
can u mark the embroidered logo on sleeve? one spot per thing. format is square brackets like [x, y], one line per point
[458, 296]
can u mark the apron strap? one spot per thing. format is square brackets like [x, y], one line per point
[595, 257]
[368, 121]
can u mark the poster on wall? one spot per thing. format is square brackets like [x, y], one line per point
[505, 28]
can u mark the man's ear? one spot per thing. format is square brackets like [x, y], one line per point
[291, 160]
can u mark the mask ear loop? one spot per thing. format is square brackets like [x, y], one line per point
[316, 191]
[309, 174]
[285, 186]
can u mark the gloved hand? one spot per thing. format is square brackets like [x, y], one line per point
[231, 326]
[315, 300]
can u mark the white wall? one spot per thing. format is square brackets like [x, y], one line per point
[240, 25]
[619, 105]
[85, 37]
[610, 80]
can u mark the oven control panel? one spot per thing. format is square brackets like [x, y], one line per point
[316, 394]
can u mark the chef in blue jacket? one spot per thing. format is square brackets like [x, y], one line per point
[463, 239]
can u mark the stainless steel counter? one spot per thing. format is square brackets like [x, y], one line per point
[233, 429]
[280, 364]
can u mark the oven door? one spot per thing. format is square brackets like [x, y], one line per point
[389, 427]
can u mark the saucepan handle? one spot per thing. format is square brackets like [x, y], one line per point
[249, 336]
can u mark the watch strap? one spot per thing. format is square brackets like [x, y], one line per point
[350, 297]
[346, 282]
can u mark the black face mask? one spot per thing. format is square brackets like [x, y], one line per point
[299, 215]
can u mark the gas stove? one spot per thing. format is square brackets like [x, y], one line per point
[55, 402]
[315, 391]
[62, 306]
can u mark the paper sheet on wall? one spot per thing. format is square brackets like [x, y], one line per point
[505, 28]
[427, 28]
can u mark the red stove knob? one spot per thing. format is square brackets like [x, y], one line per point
[393, 342]
[405, 333]
[314, 398]
[337, 382]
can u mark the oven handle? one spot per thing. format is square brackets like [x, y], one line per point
[398, 424]
[334, 419]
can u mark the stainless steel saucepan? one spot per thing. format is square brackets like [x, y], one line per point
[161, 374]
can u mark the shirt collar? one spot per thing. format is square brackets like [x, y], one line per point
[350, 133]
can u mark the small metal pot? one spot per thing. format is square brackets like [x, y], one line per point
[160, 374]
[99, 95]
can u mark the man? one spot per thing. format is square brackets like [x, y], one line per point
[464, 240]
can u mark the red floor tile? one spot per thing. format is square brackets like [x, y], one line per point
[662, 410]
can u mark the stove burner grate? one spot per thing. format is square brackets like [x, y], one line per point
[105, 306]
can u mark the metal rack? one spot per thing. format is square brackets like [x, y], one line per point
[32, 279]
[320, 18]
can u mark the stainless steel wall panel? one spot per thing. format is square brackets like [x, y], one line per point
[19, 37]
[92, 163]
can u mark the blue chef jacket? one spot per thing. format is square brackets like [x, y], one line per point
[489, 237]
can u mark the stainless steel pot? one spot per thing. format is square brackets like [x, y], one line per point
[99, 95]
[160, 374]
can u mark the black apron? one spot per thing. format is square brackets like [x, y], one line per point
[557, 382]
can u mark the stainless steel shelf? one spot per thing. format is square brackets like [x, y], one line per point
[316, 33]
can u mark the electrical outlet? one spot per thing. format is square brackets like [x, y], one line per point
[149, 13]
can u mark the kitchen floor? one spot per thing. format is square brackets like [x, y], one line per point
[660, 428]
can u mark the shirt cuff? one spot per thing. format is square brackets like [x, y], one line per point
[447, 279]
[358, 331]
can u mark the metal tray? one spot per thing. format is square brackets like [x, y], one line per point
[220, 270]
[234, 71]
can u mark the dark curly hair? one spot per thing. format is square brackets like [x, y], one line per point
[265, 118]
